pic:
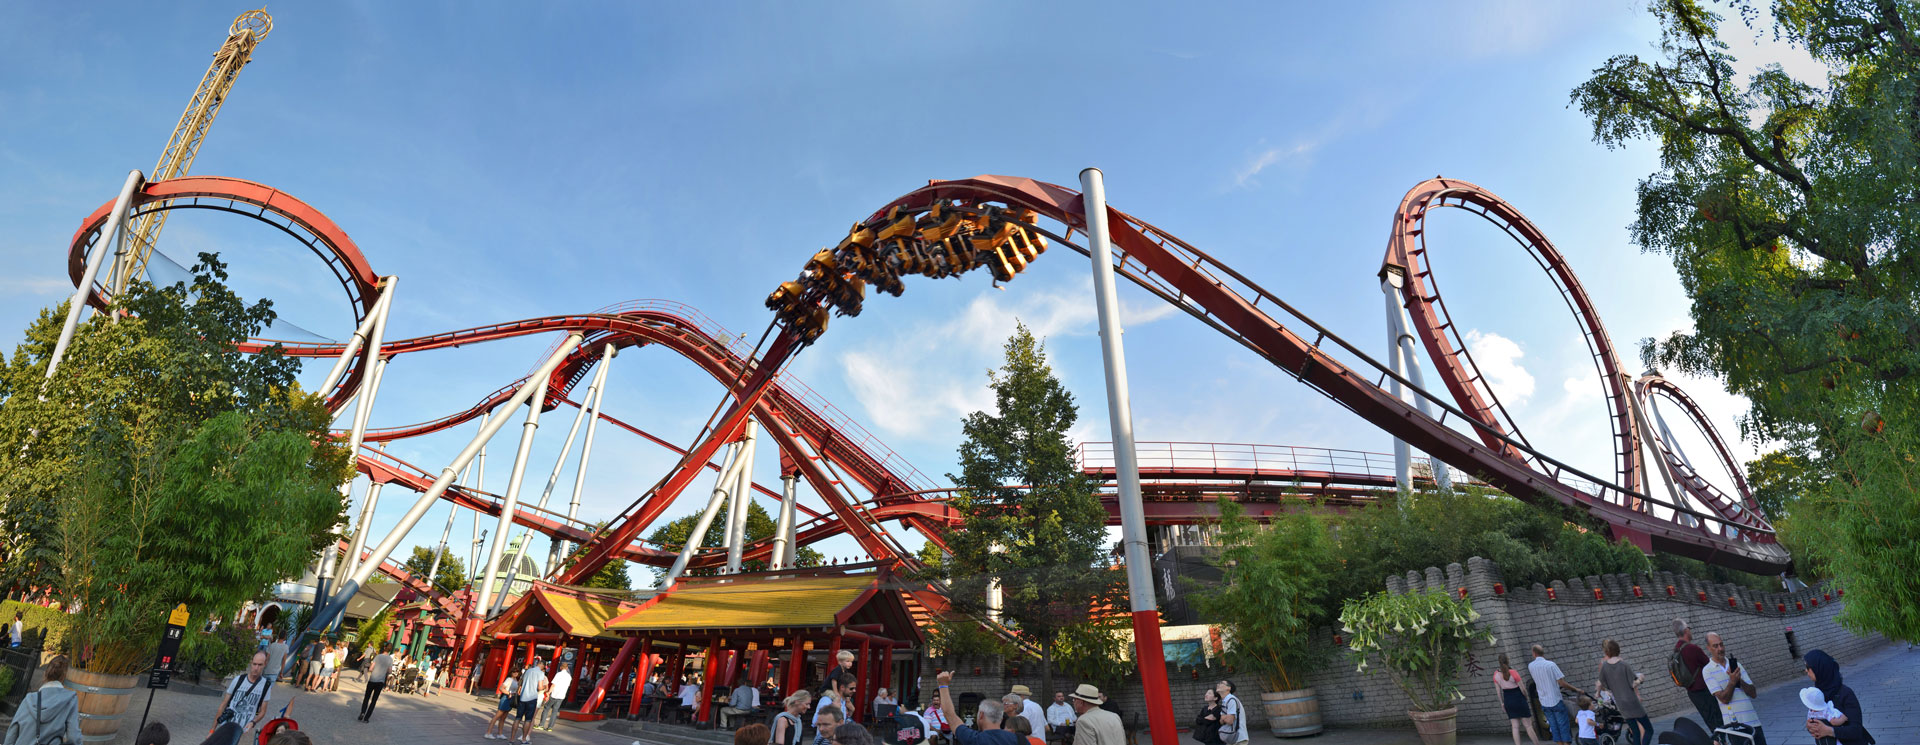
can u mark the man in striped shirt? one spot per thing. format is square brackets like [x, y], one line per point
[1727, 680]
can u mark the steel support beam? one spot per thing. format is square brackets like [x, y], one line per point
[1133, 522]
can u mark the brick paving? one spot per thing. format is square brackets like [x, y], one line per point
[330, 718]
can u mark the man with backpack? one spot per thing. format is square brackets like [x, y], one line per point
[1683, 665]
[246, 701]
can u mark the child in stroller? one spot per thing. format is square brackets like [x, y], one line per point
[406, 680]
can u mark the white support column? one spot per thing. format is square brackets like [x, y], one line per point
[114, 230]
[479, 485]
[596, 393]
[698, 534]
[1406, 361]
[553, 479]
[1133, 518]
[338, 602]
[512, 501]
[369, 391]
[1402, 453]
[359, 339]
[737, 501]
[783, 524]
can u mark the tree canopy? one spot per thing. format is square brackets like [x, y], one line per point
[1031, 521]
[673, 535]
[1791, 210]
[453, 571]
[162, 466]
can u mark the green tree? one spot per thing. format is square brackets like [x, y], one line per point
[1031, 520]
[673, 535]
[453, 571]
[1789, 209]
[1273, 592]
[163, 466]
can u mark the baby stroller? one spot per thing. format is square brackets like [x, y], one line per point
[406, 681]
[1609, 728]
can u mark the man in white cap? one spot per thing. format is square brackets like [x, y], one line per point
[1030, 711]
[1096, 726]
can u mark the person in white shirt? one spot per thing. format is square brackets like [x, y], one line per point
[557, 690]
[509, 693]
[533, 689]
[1233, 725]
[377, 671]
[1547, 682]
[247, 697]
[1030, 711]
[1059, 718]
[18, 628]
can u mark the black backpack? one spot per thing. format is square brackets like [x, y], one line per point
[1677, 668]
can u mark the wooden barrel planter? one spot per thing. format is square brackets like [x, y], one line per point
[103, 701]
[1292, 713]
[1436, 727]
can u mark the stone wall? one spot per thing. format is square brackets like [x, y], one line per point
[1570, 625]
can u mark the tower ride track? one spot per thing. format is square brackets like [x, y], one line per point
[822, 444]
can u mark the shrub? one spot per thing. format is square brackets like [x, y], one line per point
[225, 650]
[39, 620]
[1421, 639]
[1272, 592]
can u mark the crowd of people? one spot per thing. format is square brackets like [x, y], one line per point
[1716, 684]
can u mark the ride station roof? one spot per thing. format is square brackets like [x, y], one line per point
[773, 605]
[576, 612]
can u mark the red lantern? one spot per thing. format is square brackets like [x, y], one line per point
[1781, 606]
[1670, 592]
[1597, 597]
[1196, 673]
[1827, 597]
[1637, 593]
[1339, 641]
[1842, 592]
[1463, 593]
[976, 671]
[1499, 590]
[1551, 595]
[1730, 603]
[1757, 607]
[1797, 605]
[1703, 596]
[1815, 601]
[1014, 671]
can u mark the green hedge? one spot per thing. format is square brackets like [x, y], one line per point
[54, 623]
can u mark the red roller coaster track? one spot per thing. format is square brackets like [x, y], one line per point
[824, 444]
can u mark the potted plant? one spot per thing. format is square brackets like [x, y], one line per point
[1421, 640]
[1272, 594]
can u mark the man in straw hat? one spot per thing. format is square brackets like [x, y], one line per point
[987, 718]
[1030, 711]
[1097, 726]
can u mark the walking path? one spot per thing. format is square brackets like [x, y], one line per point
[1887, 682]
[330, 718]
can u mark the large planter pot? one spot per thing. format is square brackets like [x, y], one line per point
[103, 701]
[1435, 727]
[1292, 713]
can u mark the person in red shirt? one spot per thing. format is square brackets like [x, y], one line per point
[1694, 658]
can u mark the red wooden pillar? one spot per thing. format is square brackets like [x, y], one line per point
[706, 681]
[796, 662]
[600, 689]
[886, 672]
[757, 670]
[506, 666]
[533, 650]
[640, 677]
[863, 693]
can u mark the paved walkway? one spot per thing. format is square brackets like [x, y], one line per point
[330, 718]
[1887, 682]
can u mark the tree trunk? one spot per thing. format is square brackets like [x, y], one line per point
[1046, 675]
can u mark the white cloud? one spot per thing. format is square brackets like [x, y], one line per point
[1499, 361]
[1266, 158]
[931, 374]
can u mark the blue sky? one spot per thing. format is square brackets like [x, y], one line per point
[509, 161]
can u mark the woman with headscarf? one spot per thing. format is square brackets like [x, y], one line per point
[1826, 676]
